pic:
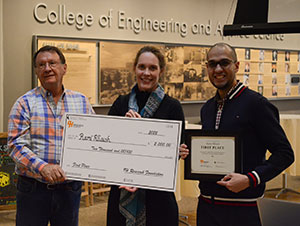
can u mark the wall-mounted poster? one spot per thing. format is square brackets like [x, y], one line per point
[175, 73]
[116, 69]
[195, 72]
[185, 77]
[80, 57]
[103, 69]
[8, 177]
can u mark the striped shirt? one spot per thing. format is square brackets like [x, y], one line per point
[34, 129]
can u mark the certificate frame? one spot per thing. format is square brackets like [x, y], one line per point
[191, 134]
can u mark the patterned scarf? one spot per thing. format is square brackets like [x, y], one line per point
[132, 205]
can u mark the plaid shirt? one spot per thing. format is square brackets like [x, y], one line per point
[34, 129]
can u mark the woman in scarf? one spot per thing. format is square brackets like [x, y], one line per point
[147, 99]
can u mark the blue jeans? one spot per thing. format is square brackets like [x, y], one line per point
[38, 204]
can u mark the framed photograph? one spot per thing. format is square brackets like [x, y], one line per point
[213, 154]
[261, 54]
[274, 67]
[260, 90]
[287, 55]
[247, 67]
[274, 55]
[247, 54]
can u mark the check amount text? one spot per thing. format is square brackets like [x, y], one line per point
[111, 150]
[161, 144]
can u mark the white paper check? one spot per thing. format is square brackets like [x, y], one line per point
[122, 151]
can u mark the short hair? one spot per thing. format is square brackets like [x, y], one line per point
[48, 48]
[155, 51]
[223, 44]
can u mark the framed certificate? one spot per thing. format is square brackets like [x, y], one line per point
[213, 154]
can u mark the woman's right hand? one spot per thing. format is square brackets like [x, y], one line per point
[130, 189]
[183, 151]
[132, 114]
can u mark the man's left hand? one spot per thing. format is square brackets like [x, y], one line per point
[53, 173]
[235, 182]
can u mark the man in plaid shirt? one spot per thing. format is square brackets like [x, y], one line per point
[35, 139]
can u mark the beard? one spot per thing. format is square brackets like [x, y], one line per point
[224, 86]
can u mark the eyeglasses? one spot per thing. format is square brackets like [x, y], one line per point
[51, 64]
[223, 63]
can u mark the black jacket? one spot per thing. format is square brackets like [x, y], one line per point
[256, 120]
[161, 206]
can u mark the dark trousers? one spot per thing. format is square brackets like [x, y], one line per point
[214, 213]
[39, 203]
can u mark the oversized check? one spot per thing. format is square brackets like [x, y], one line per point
[122, 151]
